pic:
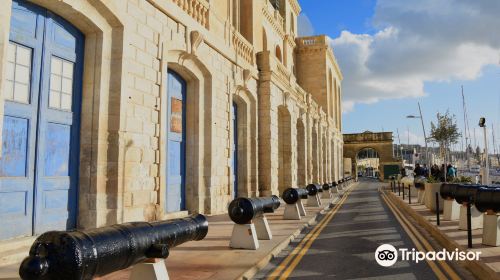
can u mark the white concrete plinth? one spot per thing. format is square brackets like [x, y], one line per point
[476, 220]
[340, 187]
[413, 191]
[491, 230]
[302, 209]
[451, 210]
[421, 195]
[313, 201]
[292, 212]
[150, 271]
[326, 194]
[262, 228]
[335, 189]
[244, 237]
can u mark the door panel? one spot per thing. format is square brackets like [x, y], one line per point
[59, 132]
[176, 147]
[38, 167]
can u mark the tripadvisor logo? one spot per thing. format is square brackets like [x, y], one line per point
[387, 255]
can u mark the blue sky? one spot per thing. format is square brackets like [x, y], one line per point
[414, 56]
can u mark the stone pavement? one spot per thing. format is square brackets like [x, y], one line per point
[212, 258]
[450, 237]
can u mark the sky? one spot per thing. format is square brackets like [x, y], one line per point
[395, 54]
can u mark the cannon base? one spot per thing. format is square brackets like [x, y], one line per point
[326, 194]
[421, 195]
[262, 228]
[313, 201]
[292, 212]
[150, 270]
[476, 218]
[302, 209]
[335, 189]
[451, 210]
[491, 230]
[244, 237]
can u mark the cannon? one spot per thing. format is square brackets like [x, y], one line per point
[447, 191]
[250, 222]
[465, 195]
[313, 200]
[293, 195]
[340, 185]
[327, 192]
[487, 201]
[294, 208]
[84, 254]
[242, 210]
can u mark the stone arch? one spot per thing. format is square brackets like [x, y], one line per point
[284, 149]
[101, 151]
[247, 142]
[301, 153]
[198, 129]
[264, 39]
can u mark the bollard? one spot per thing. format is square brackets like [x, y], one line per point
[409, 194]
[469, 227]
[437, 209]
[399, 189]
[403, 192]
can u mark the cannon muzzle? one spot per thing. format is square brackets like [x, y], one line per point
[292, 195]
[97, 252]
[242, 210]
[313, 189]
[466, 193]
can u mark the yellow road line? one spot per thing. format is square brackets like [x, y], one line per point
[432, 265]
[444, 265]
[305, 243]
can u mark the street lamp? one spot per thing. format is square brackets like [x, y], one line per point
[486, 175]
[423, 129]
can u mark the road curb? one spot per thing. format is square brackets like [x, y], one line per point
[477, 268]
[280, 247]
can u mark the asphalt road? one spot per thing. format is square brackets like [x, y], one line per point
[345, 247]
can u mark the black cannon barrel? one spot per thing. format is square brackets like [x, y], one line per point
[292, 195]
[488, 199]
[334, 184]
[466, 193]
[97, 252]
[313, 189]
[242, 210]
[326, 186]
[447, 191]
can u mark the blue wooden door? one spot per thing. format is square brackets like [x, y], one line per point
[234, 148]
[39, 163]
[176, 143]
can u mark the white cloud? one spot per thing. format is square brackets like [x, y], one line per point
[436, 40]
[304, 26]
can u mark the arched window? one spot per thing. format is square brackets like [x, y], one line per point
[278, 53]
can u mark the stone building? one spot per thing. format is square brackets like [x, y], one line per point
[122, 110]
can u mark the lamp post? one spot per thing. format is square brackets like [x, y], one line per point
[423, 129]
[486, 173]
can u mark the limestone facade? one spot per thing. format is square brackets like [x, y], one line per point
[287, 91]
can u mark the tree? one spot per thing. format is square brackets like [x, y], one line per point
[445, 132]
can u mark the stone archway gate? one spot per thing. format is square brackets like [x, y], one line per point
[382, 142]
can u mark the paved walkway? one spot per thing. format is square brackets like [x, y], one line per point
[345, 247]
[212, 258]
